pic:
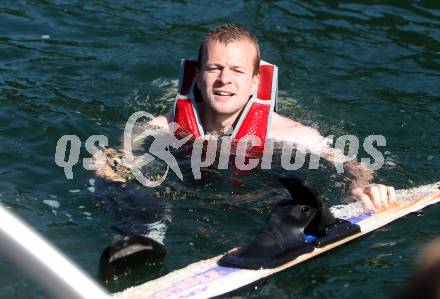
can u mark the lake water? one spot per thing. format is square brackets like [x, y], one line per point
[82, 68]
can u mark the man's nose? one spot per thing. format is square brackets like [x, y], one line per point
[225, 76]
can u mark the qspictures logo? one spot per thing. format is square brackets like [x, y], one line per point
[205, 152]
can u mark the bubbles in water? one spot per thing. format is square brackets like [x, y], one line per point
[52, 203]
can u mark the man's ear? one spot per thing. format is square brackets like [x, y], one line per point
[255, 83]
[198, 78]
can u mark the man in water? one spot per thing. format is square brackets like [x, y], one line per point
[227, 77]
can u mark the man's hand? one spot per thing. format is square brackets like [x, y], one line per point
[113, 170]
[375, 197]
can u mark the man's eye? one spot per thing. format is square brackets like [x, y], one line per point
[212, 68]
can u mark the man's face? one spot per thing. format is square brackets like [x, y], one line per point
[226, 79]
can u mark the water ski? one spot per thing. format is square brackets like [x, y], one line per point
[206, 279]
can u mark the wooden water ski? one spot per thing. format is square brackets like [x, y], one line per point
[206, 279]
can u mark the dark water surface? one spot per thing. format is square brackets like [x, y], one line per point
[346, 68]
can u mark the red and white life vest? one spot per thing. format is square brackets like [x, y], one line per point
[256, 116]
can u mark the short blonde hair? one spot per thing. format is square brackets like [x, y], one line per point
[228, 33]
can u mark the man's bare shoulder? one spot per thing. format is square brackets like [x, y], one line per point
[286, 129]
[162, 120]
[281, 122]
